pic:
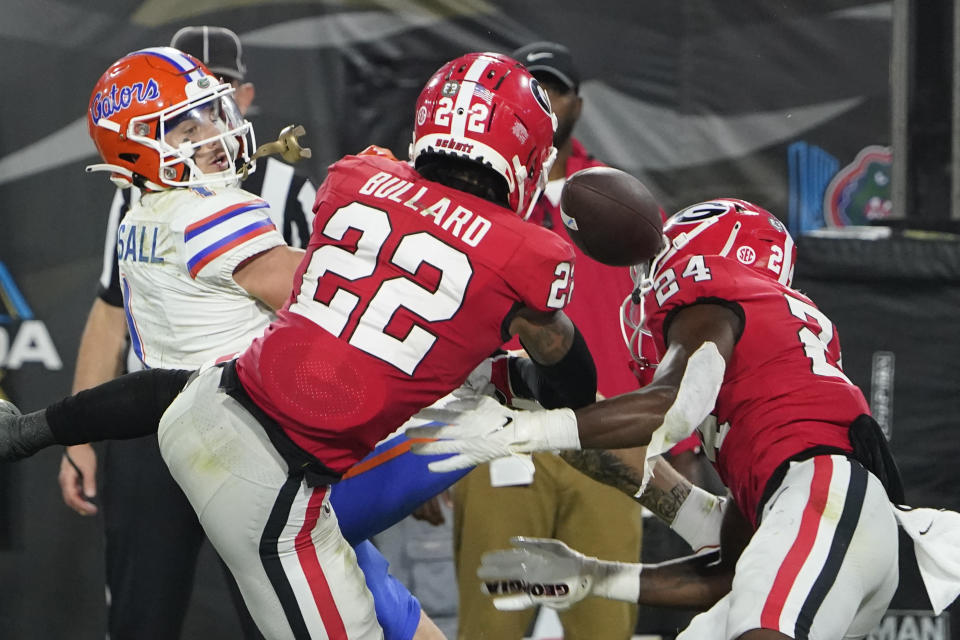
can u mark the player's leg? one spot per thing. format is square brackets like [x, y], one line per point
[248, 627]
[823, 562]
[385, 487]
[379, 491]
[485, 518]
[126, 407]
[398, 611]
[280, 537]
[583, 504]
[152, 540]
[427, 629]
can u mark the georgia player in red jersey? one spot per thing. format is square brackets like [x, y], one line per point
[756, 366]
[413, 283]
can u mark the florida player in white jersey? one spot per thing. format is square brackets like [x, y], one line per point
[201, 264]
[756, 366]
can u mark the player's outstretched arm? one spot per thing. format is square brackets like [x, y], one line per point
[701, 340]
[560, 371]
[698, 581]
[548, 572]
[693, 513]
[127, 407]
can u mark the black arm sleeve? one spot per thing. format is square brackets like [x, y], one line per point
[126, 407]
[571, 382]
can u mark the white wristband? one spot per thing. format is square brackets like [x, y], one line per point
[545, 431]
[563, 433]
[699, 518]
[618, 581]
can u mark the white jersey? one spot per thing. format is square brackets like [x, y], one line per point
[177, 251]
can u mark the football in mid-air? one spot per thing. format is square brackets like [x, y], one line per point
[611, 216]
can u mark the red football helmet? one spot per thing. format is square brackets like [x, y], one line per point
[734, 229]
[726, 227]
[145, 95]
[486, 107]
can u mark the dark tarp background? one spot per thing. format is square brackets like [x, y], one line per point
[697, 98]
[894, 303]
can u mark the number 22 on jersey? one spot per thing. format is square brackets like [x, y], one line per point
[412, 250]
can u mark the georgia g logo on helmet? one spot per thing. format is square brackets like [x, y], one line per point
[541, 96]
[732, 228]
[702, 211]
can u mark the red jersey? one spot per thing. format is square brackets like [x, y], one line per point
[404, 289]
[595, 305]
[783, 391]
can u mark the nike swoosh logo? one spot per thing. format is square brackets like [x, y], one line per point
[532, 57]
[507, 423]
[929, 526]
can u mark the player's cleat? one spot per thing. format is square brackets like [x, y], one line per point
[9, 407]
[9, 432]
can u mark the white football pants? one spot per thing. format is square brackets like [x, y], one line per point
[823, 564]
[280, 538]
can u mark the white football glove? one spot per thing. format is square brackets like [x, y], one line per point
[540, 571]
[479, 429]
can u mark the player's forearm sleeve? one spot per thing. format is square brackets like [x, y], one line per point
[127, 407]
[571, 382]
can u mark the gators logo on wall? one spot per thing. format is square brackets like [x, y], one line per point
[859, 193]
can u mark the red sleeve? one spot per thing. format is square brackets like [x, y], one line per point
[690, 443]
[543, 270]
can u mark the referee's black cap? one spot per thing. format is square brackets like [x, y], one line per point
[217, 47]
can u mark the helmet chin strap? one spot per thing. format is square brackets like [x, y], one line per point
[548, 166]
[521, 173]
[124, 182]
[731, 239]
[683, 239]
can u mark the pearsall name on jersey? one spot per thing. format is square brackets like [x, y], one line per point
[128, 247]
[460, 223]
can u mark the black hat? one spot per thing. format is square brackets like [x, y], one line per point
[216, 47]
[552, 58]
